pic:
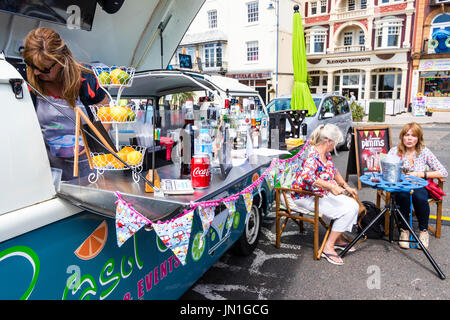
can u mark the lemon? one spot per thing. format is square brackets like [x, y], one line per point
[118, 76]
[134, 158]
[104, 78]
[119, 113]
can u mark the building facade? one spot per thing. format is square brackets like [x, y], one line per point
[360, 46]
[430, 72]
[239, 39]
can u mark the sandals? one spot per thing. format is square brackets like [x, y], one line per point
[329, 257]
[338, 247]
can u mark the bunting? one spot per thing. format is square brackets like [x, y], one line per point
[128, 221]
[175, 233]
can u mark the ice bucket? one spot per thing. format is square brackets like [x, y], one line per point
[391, 170]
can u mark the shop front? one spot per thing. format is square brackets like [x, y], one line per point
[373, 77]
[259, 81]
[433, 83]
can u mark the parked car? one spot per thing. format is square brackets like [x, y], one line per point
[331, 108]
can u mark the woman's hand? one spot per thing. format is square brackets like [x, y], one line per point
[336, 190]
[416, 174]
[352, 191]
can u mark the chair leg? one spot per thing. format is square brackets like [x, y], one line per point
[325, 238]
[278, 231]
[438, 219]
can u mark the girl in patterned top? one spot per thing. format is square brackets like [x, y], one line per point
[417, 159]
[321, 176]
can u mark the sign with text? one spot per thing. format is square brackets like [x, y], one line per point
[368, 147]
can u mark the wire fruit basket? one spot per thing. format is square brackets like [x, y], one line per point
[114, 76]
[132, 155]
[114, 114]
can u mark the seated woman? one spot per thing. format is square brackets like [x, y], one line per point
[417, 158]
[321, 176]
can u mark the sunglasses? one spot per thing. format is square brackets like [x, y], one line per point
[46, 70]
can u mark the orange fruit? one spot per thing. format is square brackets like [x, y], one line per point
[127, 149]
[100, 160]
[104, 114]
[134, 158]
[116, 163]
[93, 244]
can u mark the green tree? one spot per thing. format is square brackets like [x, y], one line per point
[357, 111]
[179, 98]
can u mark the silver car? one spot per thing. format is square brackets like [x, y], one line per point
[331, 108]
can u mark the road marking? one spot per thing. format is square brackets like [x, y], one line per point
[207, 290]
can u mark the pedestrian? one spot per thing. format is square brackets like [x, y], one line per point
[320, 175]
[352, 97]
[53, 71]
[417, 158]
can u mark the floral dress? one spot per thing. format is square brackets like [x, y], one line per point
[314, 168]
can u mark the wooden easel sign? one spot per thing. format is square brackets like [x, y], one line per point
[369, 146]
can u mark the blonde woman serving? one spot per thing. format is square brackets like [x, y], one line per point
[53, 71]
[319, 175]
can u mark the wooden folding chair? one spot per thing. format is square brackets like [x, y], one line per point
[436, 231]
[285, 207]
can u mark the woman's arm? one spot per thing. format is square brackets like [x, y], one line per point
[437, 169]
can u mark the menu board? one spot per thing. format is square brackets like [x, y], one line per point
[369, 146]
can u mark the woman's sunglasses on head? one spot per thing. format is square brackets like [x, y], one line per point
[46, 70]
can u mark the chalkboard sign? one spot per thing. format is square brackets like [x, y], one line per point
[185, 61]
[369, 145]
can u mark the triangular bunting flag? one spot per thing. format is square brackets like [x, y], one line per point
[207, 217]
[128, 221]
[377, 133]
[248, 199]
[231, 206]
[175, 234]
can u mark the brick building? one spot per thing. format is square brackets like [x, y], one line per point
[360, 46]
[430, 72]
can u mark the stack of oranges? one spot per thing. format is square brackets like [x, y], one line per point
[127, 154]
[115, 113]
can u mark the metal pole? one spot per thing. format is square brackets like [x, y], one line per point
[276, 65]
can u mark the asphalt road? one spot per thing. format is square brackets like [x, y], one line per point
[377, 270]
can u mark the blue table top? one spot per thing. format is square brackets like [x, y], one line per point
[406, 183]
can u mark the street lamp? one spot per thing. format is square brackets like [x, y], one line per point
[271, 7]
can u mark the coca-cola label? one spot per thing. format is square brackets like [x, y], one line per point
[200, 172]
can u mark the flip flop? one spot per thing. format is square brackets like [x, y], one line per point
[328, 257]
[338, 247]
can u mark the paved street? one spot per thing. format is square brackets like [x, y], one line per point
[377, 270]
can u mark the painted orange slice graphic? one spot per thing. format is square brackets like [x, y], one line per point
[94, 244]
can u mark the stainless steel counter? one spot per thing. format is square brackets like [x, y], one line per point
[100, 197]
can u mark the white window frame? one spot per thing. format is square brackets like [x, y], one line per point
[253, 12]
[387, 27]
[252, 51]
[316, 6]
[311, 37]
[212, 19]
[213, 57]
[348, 35]
[323, 4]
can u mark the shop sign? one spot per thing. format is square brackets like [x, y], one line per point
[262, 75]
[348, 60]
[438, 103]
[434, 65]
